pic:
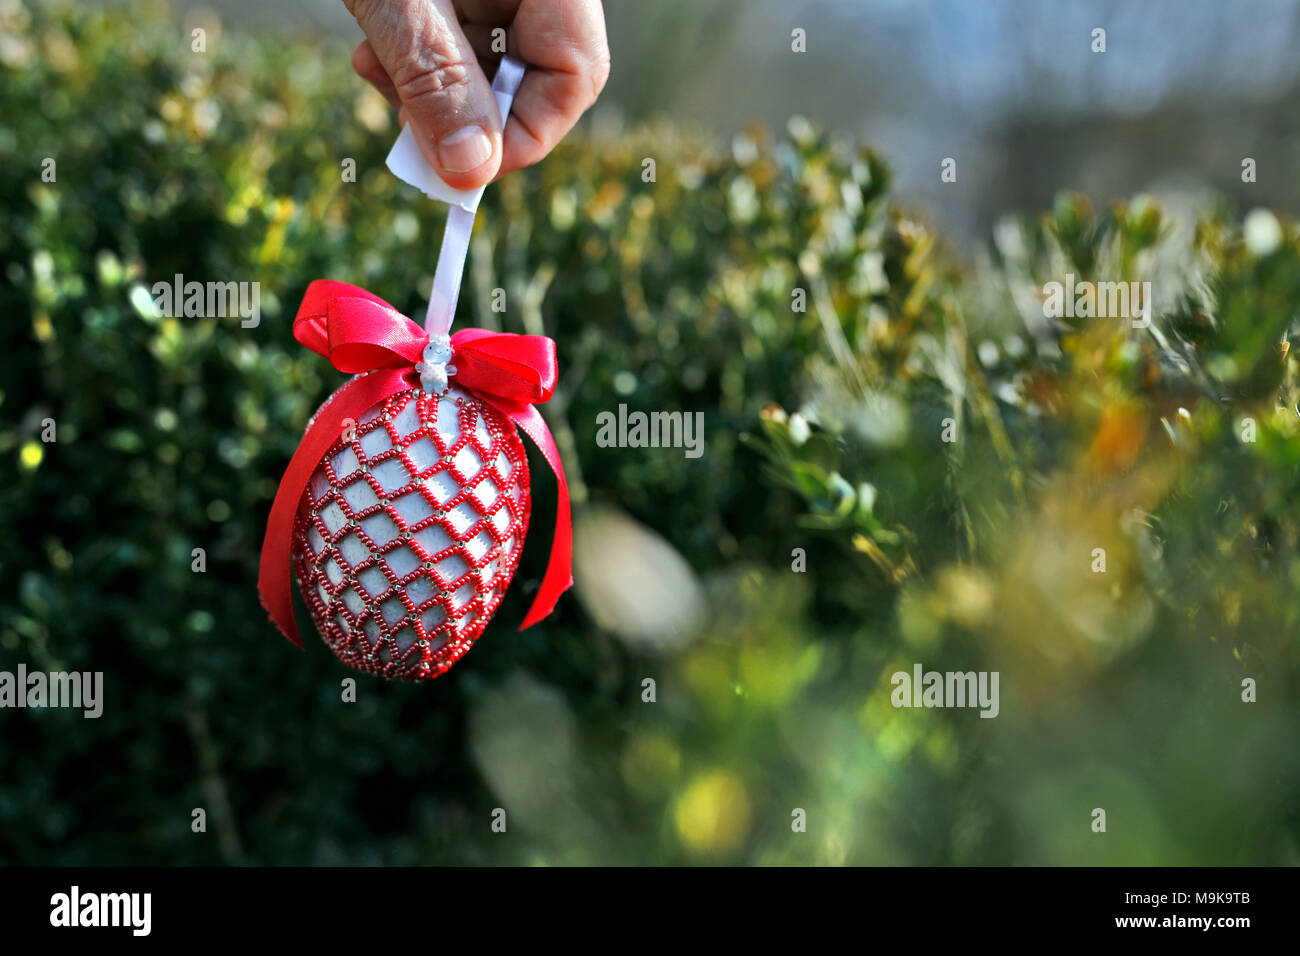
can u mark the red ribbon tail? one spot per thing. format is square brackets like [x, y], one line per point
[274, 580]
[559, 568]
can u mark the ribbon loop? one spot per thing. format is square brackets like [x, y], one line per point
[355, 330]
[521, 368]
[360, 332]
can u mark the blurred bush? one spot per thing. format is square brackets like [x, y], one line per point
[832, 345]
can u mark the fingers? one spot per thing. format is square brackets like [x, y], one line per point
[432, 68]
[366, 62]
[434, 73]
[564, 44]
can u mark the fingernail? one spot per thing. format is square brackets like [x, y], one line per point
[465, 149]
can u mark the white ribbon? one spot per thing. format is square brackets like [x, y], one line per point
[408, 164]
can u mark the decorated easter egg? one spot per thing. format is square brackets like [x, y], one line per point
[410, 530]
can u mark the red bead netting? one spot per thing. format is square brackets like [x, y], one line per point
[410, 530]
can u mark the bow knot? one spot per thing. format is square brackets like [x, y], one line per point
[360, 332]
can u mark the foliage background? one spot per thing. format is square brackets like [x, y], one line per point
[1119, 690]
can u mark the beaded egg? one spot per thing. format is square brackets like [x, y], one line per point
[410, 530]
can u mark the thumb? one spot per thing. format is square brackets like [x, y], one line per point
[443, 91]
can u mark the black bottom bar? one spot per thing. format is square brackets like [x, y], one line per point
[334, 905]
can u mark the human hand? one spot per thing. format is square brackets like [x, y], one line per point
[432, 58]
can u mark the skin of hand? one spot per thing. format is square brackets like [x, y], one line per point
[432, 60]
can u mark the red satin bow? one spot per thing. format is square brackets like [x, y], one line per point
[360, 332]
